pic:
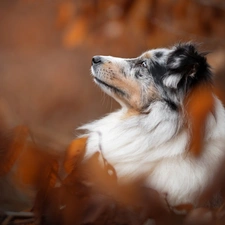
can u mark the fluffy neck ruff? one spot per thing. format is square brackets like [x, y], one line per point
[155, 147]
[135, 140]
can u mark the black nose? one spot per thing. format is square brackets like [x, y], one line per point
[96, 59]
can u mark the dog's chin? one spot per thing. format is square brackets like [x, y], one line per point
[102, 83]
[108, 88]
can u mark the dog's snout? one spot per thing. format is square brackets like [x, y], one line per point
[96, 60]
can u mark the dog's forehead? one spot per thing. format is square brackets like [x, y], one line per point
[156, 53]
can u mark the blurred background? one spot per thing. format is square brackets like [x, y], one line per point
[45, 56]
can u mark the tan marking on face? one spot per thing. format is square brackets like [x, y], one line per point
[146, 55]
[134, 98]
[131, 88]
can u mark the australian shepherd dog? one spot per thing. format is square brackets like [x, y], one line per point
[151, 135]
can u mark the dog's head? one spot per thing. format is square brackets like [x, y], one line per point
[157, 75]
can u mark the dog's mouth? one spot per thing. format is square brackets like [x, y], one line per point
[111, 87]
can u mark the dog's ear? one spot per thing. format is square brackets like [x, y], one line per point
[185, 64]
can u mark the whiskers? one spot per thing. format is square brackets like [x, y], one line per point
[106, 101]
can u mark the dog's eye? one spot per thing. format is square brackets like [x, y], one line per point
[144, 64]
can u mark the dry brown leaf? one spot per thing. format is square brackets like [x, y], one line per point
[15, 147]
[45, 185]
[199, 104]
[130, 194]
[52, 173]
[29, 166]
[35, 166]
[183, 208]
[74, 154]
[90, 195]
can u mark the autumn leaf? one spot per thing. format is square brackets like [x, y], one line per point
[183, 208]
[74, 154]
[52, 173]
[198, 105]
[12, 151]
[36, 167]
[29, 166]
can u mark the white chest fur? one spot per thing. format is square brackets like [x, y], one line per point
[155, 146]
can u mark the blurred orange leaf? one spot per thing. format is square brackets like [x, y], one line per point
[74, 154]
[199, 104]
[29, 165]
[35, 167]
[11, 153]
[183, 208]
[52, 174]
[75, 33]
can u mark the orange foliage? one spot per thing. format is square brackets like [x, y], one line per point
[74, 154]
[31, 164]
[66, 11]
[89, 193]
[34, 167]
[16, 146]
[199, 104]
[75, 34]
[184, 208]
[162, 21]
